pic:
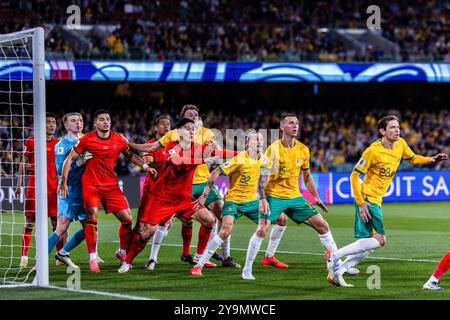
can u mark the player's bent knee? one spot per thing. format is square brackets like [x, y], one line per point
[380, 238]
[282, 220]
[224, 233]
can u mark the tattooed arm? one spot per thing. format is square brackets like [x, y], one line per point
[262, 183]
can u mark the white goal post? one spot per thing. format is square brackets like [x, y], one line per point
[19, 51]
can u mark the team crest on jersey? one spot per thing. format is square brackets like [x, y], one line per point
[362, 163]
[299, 161]
[172, 152]
[60, 150]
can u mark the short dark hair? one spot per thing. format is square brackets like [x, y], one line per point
[285, 115]
[101, 111]
[183, 121]
[188, 107]
[383, 122]
[163, 116]
[50, 115]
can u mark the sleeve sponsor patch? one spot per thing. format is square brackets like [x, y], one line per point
[264, 160]
[60, 150]
[361, 163]
[226, 164]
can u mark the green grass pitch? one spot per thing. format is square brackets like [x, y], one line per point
[418, 234]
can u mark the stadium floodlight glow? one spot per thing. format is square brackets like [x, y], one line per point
[20, 115]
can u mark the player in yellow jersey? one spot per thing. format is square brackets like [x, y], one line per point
[378, 163]
[241, 198]
[214, 202]
[279, 191]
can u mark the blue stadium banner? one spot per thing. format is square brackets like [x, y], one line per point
[229, 71]
[406, 186]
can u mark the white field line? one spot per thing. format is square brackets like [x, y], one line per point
[316, 254]
[100, 293]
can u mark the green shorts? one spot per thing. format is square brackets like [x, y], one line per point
[239, 209]
[375, 225]
[197, 190]
[298, 209]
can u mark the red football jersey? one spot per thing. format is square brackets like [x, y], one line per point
[52, 183]
[158, 156]
[175, 182]
[99, 171]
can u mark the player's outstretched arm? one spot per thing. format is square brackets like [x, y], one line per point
[146, 147]
[212, 179]
[418, 159]
[309, 183]
[262, 183]
[65, 172]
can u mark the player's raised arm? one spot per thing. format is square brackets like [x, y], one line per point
[309, 183]
[65, 172]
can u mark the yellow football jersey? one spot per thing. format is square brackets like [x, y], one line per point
[286, 165]
[243, 172]
[379, 165]
[203, 136]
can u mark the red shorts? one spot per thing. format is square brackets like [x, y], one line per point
[111, 198]
[158, 211]
[30, 203]
[144, 205]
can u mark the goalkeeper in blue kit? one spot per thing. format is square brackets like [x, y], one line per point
[71, 207]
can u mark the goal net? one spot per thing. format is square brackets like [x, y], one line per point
[22, 114]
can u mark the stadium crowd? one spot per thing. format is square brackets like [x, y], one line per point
[232, 30]
[336, 139]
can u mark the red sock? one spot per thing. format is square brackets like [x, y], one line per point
[61, 242]
[443, 266]
[125, 235]
[90, 233]
[203, 238]
[186, 234]
[137, 245]
[27, 233]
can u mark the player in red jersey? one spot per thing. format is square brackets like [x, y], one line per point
[214, 202]
[99, 182]
[172, 192]
[154, 160]
[27, 165]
